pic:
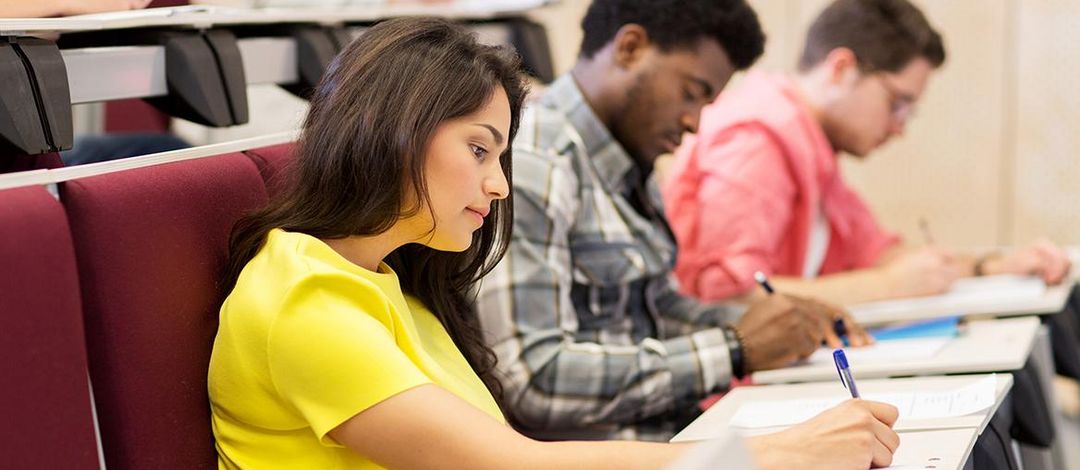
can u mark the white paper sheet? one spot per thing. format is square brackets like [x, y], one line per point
[913, 406]
[968, 294]
[884, 351]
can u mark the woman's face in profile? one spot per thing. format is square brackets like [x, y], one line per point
[464, 175]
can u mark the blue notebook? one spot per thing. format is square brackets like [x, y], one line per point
[939, 327]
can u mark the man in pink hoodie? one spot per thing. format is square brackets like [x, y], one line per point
[759, 188]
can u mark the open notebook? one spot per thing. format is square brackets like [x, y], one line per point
[913, 406]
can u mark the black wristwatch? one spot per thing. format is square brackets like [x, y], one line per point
[735, 351]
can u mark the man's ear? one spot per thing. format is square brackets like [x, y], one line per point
[841, 65]
[630, 44]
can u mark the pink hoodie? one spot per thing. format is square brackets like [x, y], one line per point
[743, 194]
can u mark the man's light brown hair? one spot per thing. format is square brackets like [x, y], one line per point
[885, 35]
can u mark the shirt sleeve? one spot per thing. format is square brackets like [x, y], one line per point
[868, 240]
[332, 353]
[741, 212]
[554, 376]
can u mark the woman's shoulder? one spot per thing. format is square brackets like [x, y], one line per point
[296, 273]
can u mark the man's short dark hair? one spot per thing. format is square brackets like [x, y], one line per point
[885, 35]
[678, 23]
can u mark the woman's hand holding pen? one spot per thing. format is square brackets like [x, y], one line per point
[856, 434]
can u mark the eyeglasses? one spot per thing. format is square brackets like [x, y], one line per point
[901, 103]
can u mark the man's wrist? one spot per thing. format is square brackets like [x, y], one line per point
[736, 351]
[986, 264]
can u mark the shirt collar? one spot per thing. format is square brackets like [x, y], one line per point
[610, 160]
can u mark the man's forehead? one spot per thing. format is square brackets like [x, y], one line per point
[704, 60]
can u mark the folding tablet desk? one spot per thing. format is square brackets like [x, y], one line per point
[945, 443]
[987, 346]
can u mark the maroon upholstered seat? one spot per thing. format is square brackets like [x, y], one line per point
[151, 243]
[272, 162]
[45, 412]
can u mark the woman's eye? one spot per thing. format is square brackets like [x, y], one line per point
[478, 151]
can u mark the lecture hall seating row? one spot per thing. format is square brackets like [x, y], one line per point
[109, 296]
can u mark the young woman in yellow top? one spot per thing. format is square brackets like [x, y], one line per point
[348, 339]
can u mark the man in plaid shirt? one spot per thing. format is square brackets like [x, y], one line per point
[593, 338]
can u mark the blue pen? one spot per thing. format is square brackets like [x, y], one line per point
[838, 323]
[844, 371]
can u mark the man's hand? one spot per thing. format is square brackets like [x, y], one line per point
[827, 315]
[82, 7]
[1042, 258]
[925, 271]
[50, 8]
[777, 331]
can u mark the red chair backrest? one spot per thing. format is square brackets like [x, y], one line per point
[45, 411]
[151, 243]
[273, 162]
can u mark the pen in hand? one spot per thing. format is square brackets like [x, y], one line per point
[843, 369]
[763, 281]
[924, 226]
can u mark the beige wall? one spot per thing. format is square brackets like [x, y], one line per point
[991, 157]
[563, 24]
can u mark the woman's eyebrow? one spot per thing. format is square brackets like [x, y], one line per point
[494, 132]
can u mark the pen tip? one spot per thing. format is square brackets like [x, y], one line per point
[759, 276]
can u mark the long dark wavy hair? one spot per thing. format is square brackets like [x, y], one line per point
[361, 153]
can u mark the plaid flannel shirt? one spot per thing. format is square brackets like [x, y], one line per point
[593, 339]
